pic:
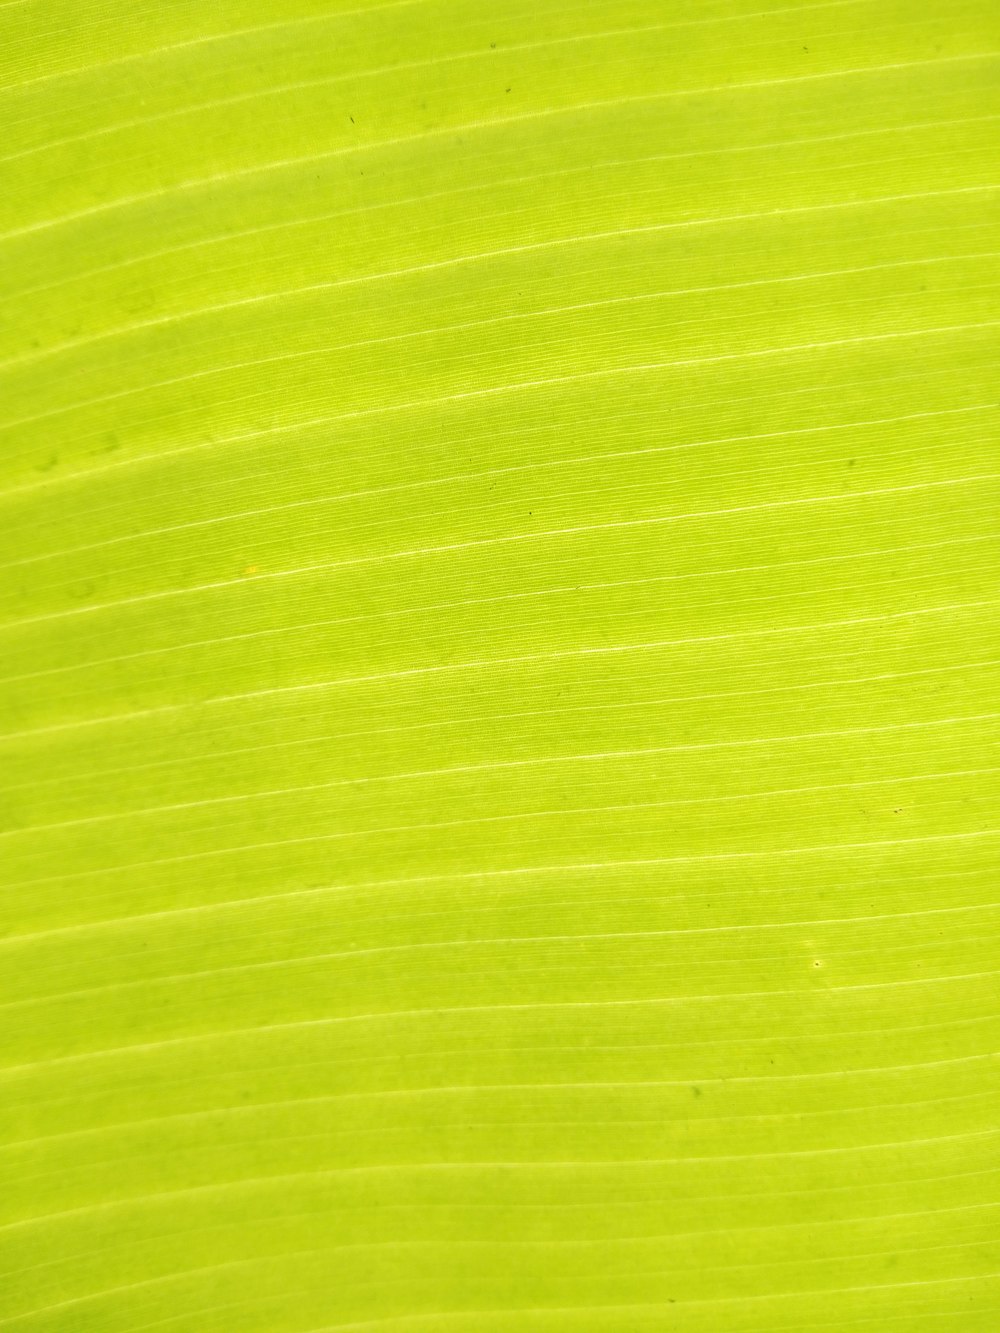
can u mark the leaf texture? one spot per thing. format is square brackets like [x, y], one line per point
[499, 655]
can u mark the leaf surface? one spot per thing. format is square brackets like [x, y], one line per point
[499, 666]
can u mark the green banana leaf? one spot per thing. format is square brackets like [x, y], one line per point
[499, 666]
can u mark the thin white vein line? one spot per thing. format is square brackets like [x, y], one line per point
[310, 219]
[517, 468]
[494, 662]
[369, 528]
[555, 813]
[917, 580]
[645, 895]
[329, 17]
[437, 1052]
[243, 848]
[783, 1194]
[615, 1241]
[555, 590]
[559, 812]
[452, 478]
[468, 55]
[385, 557]
[242, 902]
[362, 413]
[285, 1178]
[48, 999]
[882, 1319]
[365, 10]
[856, 304]
[595, 756]
[506, 539]
[350, 76]
[520, 316]
[434, 62]
[475, 1089]
[433, 1320]
[378, 1016]
[478, 257]
[437, 724]
[170, 417]
[514, 872]
[480, 942]
[603, 705]
[499, 123]
[465, 440]
[281, 1257]
[758, 1117]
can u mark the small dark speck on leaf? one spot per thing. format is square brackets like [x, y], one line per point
[493, 46]
[696, 1091]
[352, 120]
[851, 462]
[506, 90]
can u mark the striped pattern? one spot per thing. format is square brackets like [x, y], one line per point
[499, 725]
